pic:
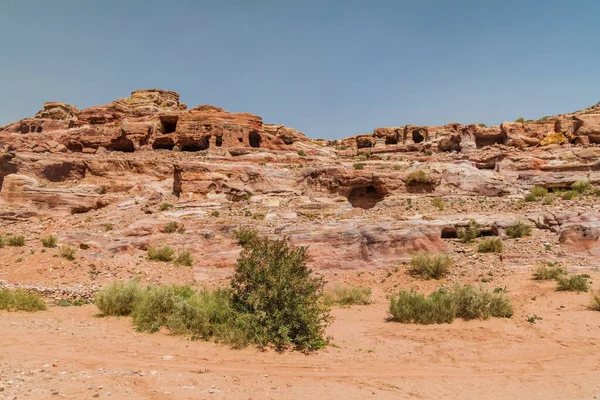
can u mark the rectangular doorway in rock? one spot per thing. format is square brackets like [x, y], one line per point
[168, 123]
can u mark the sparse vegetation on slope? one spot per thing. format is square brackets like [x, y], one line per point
[418, 177]
[548, 273]
[431, 266]
[491, 245]
[518, 229]
[573, 283]
[16, 240]
[49, 241]
[20, 300]
[470, 233]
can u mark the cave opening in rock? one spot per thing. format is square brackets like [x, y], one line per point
[417, 136]
[391, 139]
[449, 233]
[195, 145]
[254, 139]
[75, 147]
[163, 144]
[121, 144]
[366, 197]
[168, 123]
[489, 140]
[219, 141]
[241, 140]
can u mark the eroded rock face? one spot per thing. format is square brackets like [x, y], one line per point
[151, 117]
[146, 161]
[23, 190]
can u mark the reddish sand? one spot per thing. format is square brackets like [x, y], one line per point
[66, 352]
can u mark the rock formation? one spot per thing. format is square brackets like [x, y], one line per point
[358, 203]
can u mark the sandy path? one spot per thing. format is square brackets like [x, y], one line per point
[68, 352]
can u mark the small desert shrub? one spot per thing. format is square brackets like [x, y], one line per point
[418, 177]
[301, 153]
[411, 307]
[581, 186]
[431, 267]
[184, 258]
[20, 300]
[520, 119]
[475, 302]
[437, 202]
[279, 296]
[171, 227]
[518, 229]
[16, 241]
[67, 252]
[107, 227]
[215, 214]
[118, 298]
[539, 191]
[246, 236]
[547, 273]
[165, 206]
[1, 242]
[442, 306]
[347, 295]
[569, 195]
[574, 283]
[547, 200]
[482, 125]
[468, 234]
[596, 301]
[163, 253]
[49, 241]
[103, 189]
[530, 197]
[491, 245]
[359, 166]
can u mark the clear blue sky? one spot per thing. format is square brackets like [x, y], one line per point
[330, 68]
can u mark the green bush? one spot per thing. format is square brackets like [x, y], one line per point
[596, 301]
[410, 307]
[418, 177]
[431, 267]
[547, 273]
[118, 298]
[16, 241]
[581, 186]
[171, 227]
[548, 200]
[301, 153]
[165, 206]
[359, 166]
[163, 253]
[20, 300]
[474, 302]
[445, 304]
[539, 191]
[67, 252]
[530, 197]
[569, 195]
[518, 229]
[491, 245]
[184, 258]
[215, 214]
[156, 304]
[273, 285]
[574, 283]
[1, 242]
[107, 227]
[347, 295]
[470, 233]
[49, 241]
[246, 236]
[439, 203]
[520, 119]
